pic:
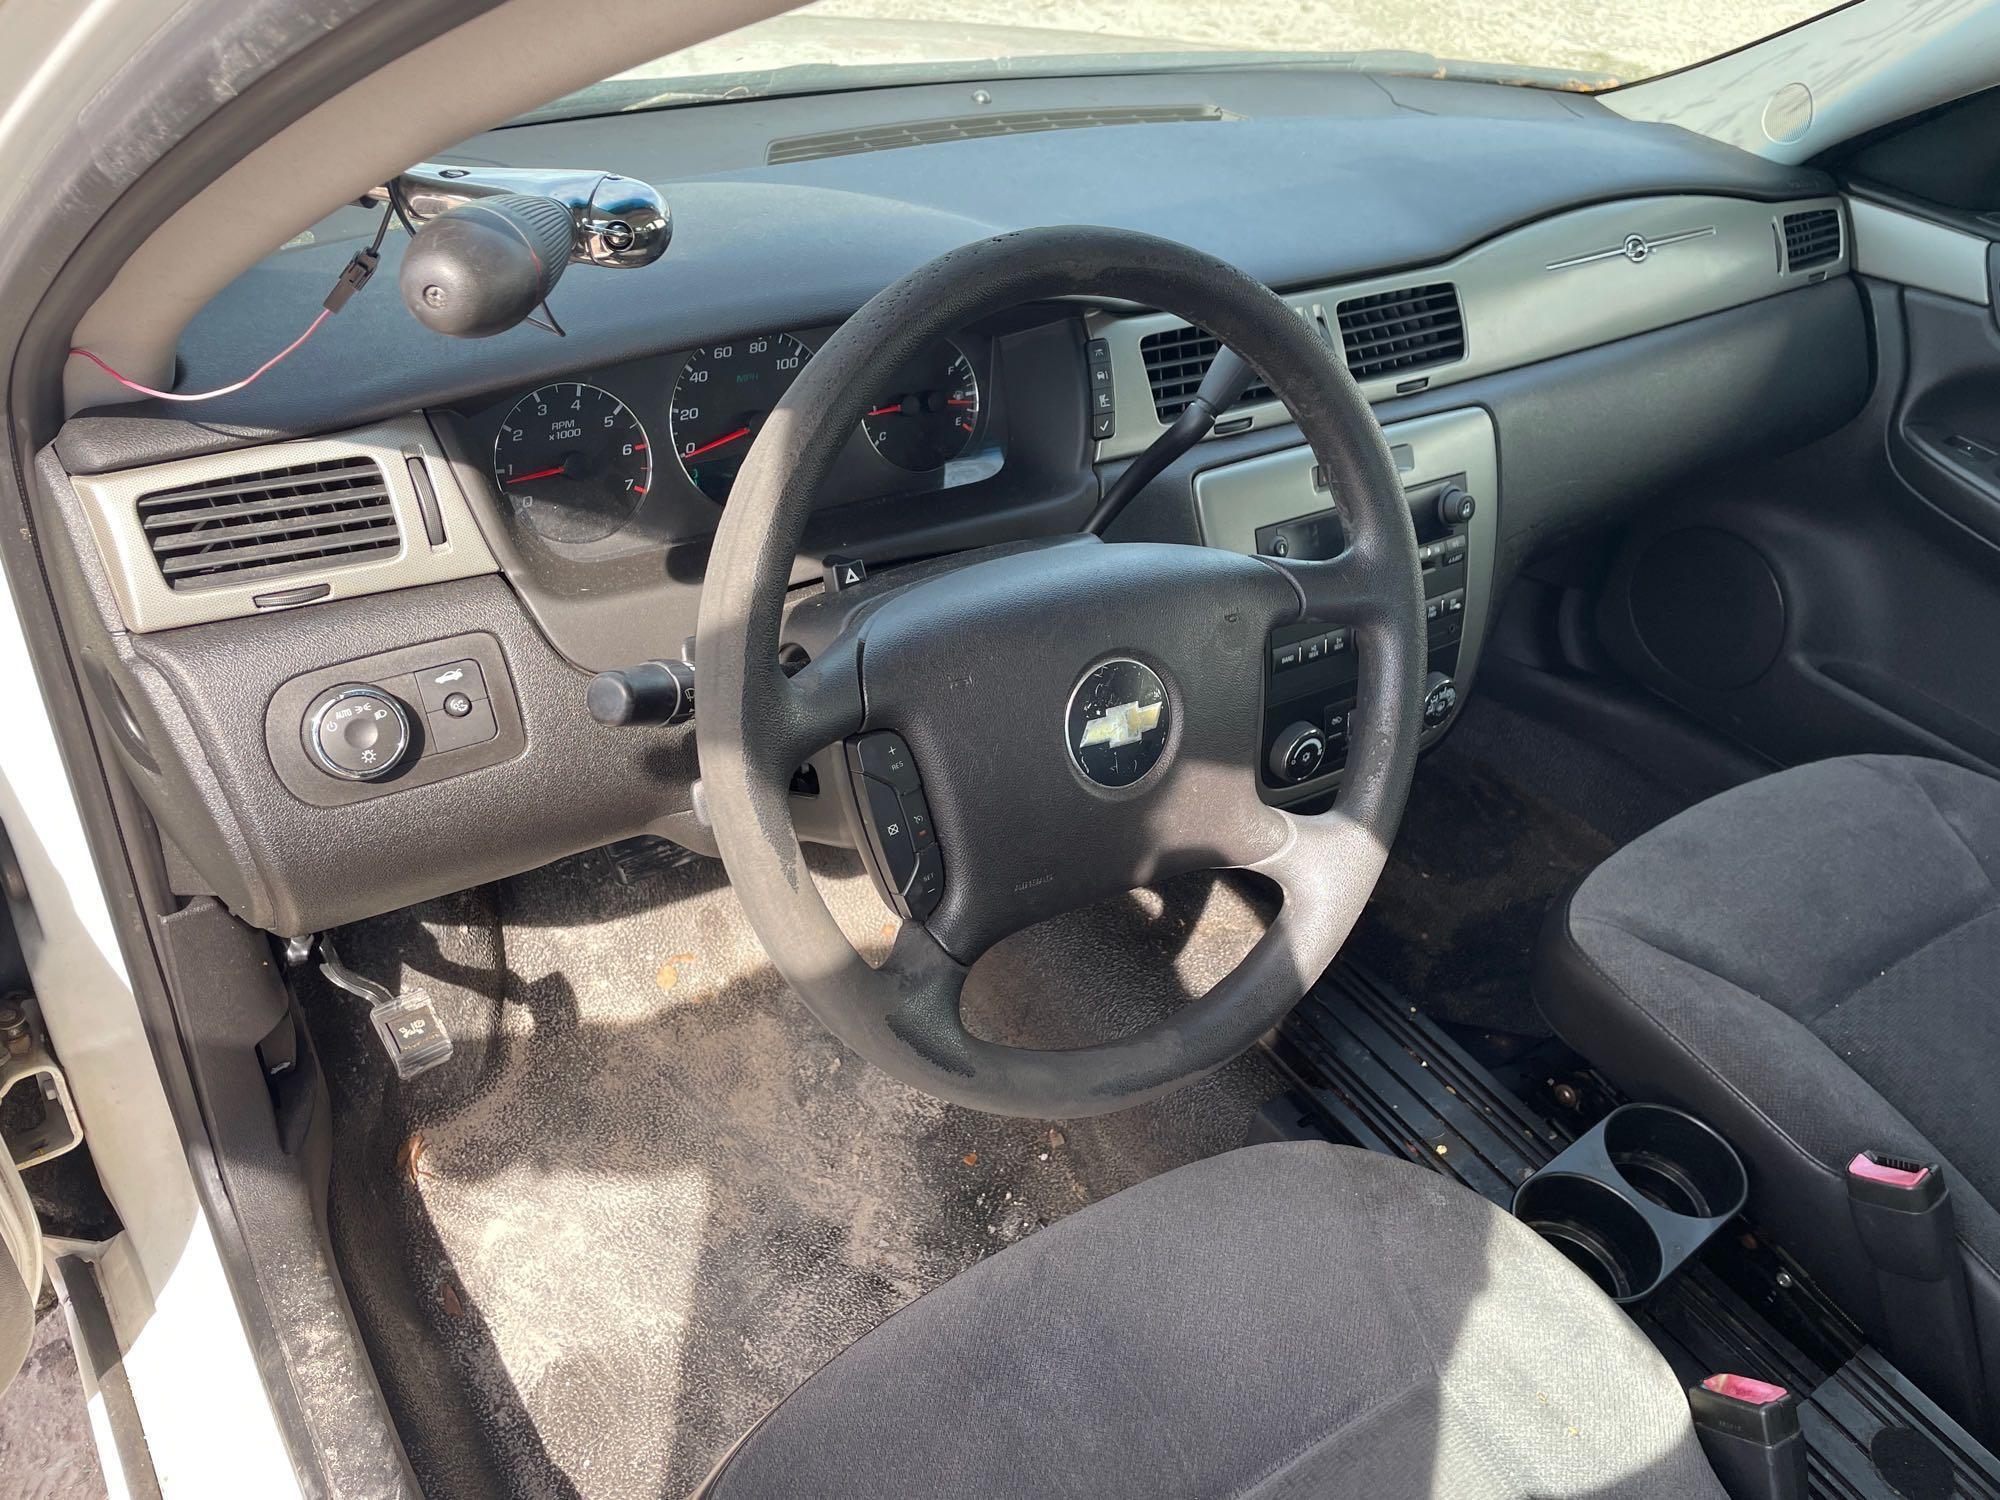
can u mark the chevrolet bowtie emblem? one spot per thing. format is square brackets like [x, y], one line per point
[1127, 724]
[1636, 248]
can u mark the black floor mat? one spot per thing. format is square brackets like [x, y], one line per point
[651, 1195]
[1504, 817]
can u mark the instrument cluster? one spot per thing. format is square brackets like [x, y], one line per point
[650, 450]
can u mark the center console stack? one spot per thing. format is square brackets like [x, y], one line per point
[1282, 505]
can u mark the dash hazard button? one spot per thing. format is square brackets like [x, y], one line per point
[842, 572]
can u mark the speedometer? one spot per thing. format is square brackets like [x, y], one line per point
[573, 461]
[721, 401]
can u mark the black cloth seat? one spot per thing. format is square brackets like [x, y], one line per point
[1809, 963]
[1283, 1321]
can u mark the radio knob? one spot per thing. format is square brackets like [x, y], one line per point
[1455, 506]
[1440, 698]
[1298, 754]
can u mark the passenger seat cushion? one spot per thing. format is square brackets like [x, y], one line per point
[1810, 962]
[1286, 1320]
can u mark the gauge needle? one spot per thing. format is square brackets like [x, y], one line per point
[538, 474]
[726, 438]
[893, 409]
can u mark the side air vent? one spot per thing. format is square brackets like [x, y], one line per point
[271, 523]
[974, 127]
[1394, 333]
[1176, 360]
[1812, 238]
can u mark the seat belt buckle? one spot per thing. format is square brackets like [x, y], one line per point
[1902, 1211]
[1750, 1434]
[1903, 1216]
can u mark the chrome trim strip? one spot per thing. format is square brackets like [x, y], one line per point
[1636, 248]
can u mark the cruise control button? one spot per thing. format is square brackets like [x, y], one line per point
[892, 832]
[435, 684]
[884, 756]
[926, 886]
[917, 813]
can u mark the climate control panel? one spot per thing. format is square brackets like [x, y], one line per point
[1282, 505]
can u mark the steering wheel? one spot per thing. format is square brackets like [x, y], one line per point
[980, 672]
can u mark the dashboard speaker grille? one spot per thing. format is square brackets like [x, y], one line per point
[1812, 238]
[1176, 360]
[973, 127]
[270, 524]
[1391, 333]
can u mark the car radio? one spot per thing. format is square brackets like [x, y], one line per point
[1281, 505]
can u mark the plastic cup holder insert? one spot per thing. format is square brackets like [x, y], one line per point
[1632, 1198]
[1598, 1229]
[1675, 1161]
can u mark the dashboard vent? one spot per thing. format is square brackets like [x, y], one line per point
[976, 127]
[1812, 238]
[1176, 360]
[1390, 333]
[271, 523]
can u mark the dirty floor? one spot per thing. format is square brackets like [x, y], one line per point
[650, 1194]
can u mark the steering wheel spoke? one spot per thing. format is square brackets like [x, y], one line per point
[822, 703]
[1343, 590]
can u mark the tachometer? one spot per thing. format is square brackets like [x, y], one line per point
[573, 461]
[721, 401]
[928, 410]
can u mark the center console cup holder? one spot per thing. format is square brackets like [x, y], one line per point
[1634, 1196]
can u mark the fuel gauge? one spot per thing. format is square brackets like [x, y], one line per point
[928, 412]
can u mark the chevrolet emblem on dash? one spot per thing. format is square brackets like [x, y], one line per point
[1117, 722]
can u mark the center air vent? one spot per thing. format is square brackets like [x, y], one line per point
[1176, 361]
[1812, 238]
[270, 524]
[974, 127]
[1393, 333]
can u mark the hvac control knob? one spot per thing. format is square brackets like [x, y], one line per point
[1297, 754]
[1440, 698]
[1455, 506]
[357, 732]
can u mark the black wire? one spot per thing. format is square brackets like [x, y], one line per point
[381, 233]
[396, 205]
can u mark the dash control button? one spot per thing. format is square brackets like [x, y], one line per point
[358, 734]
[435, 684]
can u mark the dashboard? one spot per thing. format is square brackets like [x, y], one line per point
[432, 546]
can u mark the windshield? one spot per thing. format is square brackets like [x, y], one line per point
[845, 44]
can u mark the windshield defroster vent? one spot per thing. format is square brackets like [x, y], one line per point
[270, 524]
[1812, 238]
[1394, 333]
[975, 127]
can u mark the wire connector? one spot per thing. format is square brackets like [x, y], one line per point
[353, 278]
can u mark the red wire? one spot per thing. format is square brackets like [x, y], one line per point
[147, 390]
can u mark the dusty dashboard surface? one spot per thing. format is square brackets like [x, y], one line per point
[525, 510]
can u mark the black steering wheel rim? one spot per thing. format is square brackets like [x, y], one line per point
[756, 724]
